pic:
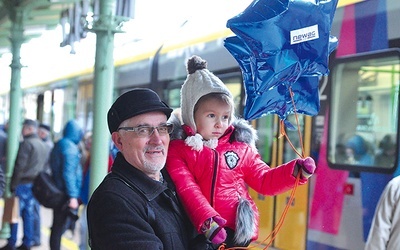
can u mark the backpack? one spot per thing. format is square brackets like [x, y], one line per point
[46, 192]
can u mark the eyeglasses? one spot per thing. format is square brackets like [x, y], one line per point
[147, 131]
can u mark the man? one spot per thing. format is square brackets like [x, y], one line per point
[67, 173]
[28, 164]
[135, 207]
[44, 134]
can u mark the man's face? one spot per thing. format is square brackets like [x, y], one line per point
[42, 133]
[26, 130]
[149, 153]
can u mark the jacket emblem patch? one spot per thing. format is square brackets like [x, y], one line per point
[231, 159]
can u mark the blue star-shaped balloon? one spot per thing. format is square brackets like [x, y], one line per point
[282, 45]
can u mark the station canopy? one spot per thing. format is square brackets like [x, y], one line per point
[53, 49]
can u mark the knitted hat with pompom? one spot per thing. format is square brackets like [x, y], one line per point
[199, 82]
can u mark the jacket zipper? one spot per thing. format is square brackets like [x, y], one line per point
[214, 178]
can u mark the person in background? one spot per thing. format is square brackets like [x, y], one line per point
[84, 195]
[3, 154]
[44, 133]
[357, 151]
[67, 174]
[135, 206]
[28, 164]
[216, 160]
[387, 154]
[385, 228]
[3, 148]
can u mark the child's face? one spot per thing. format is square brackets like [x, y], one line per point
[212, 118]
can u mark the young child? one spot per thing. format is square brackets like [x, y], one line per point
[214, 159]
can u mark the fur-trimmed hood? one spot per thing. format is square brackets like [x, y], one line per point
[244, 132]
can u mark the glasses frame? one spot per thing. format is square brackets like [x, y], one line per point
[170, 128]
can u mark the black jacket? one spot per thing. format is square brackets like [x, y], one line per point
[129, 210]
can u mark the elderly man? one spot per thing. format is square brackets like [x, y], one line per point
[135, 207]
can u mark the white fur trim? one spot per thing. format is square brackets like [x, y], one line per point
[245, 222]
[195, 141]
[212, 143]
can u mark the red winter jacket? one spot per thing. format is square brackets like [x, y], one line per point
[210, 181]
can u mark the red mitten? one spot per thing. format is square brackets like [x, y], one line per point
[307, 166]
[213, 229]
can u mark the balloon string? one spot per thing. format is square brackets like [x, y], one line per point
[278, 226]
[283, 132]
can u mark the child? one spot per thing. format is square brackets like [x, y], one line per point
[215, 159]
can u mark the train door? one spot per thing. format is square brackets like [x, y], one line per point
[275, 150]
[44, 104]
[267, 145]
[84, 105]
[359, 149]
[295, 224]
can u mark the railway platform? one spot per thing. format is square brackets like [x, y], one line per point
[69, 241]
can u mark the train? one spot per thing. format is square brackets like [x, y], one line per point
[359, 111]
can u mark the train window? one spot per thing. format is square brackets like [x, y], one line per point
[174, 97]
[364, 113]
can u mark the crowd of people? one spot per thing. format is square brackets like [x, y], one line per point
[63, 159]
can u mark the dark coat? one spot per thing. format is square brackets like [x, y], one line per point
[129, 210]
[31, 159]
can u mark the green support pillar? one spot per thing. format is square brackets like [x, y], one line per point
[105, 28]
[14, 123]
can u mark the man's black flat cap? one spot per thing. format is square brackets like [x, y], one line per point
[132, 103]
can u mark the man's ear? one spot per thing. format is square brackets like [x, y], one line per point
[116, 138]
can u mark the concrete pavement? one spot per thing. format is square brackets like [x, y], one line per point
[69, 241]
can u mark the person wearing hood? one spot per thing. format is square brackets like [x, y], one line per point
[67, 174]
[357, 151]
[212, 158]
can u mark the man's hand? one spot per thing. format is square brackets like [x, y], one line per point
[73, 203]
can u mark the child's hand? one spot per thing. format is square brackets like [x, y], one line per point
[307, 166]
[213, 229]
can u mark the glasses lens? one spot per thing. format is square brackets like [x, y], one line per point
[144, 131]
[170, 128]
[165, 129]
[162, 130]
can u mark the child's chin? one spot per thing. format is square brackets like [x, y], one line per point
[212, 138]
